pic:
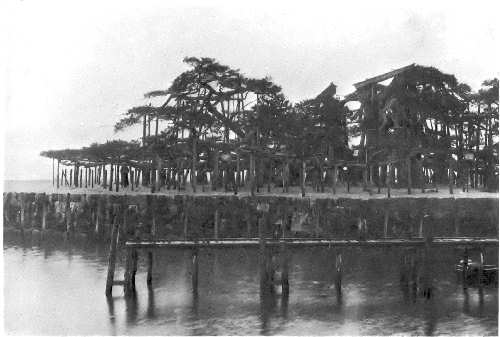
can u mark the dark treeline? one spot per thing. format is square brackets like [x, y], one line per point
[218, 129]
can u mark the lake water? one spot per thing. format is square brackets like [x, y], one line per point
[56, 288]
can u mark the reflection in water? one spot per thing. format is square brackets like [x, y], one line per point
[68, 298]
[131, 308]
[430, 316]
[151, 304]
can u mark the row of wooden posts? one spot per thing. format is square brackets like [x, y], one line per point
[176, 179]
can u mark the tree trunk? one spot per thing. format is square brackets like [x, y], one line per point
[238, 177]
[193, 163]
[214, 179]
[117, 178]
[75, 175]
[251, 173]
[450, 175]
[158, 168]
[144, 130]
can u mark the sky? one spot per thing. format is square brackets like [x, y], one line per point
[73, 67]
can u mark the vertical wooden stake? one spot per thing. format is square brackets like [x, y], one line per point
[112, 256]
[481, 268]
[389, 180]
[194, 271]
[285, 285]
[338, 273]
[386, 223]
[465, 267]
[149, 279]
[216, 224]
[57, 173]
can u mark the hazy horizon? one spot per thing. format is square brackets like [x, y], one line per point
[74, 68]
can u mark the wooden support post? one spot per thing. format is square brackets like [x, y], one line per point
[427, 262]
[386, 223]
[263, 251]
[57, 173]
[111, 177]
[149, 279]
[251, 172]
[338, 273]
[44, 211]
[285, 285]
[389, 180]
[130, 271]
[117, 178]
[67, 215]
[216, 224]
[238, 177]
[132, 178]
[194, 270]
[480, 269]
[465, 267]
[112, 256]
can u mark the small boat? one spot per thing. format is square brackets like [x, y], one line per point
[489, 272]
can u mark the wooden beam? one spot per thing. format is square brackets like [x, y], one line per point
[382, 77]
[254, 243]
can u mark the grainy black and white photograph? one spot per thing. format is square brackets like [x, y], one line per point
[250, 168]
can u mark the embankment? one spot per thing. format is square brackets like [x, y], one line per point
[183, 216]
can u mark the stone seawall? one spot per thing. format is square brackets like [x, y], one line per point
[181, 216]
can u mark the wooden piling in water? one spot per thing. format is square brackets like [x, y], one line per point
[194, 270]
[149, 277]
[480, 268]
[216, 223]
[112, 256]
[338, 273]
[285, 285]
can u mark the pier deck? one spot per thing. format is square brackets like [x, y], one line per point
[292, 243]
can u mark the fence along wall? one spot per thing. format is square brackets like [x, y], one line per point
[192, 217]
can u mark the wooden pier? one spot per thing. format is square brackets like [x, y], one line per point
[271, 250]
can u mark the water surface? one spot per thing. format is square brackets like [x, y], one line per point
[55, 288]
